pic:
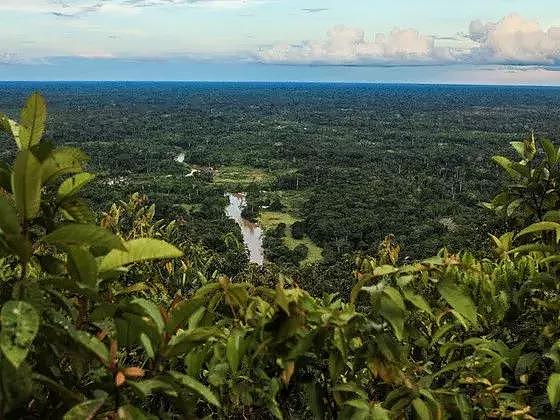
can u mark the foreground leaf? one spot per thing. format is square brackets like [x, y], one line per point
[234, 349]
[91, 343]
[33, 117]
[194, 385]
[11, 127]
[11, 231]
[540, 227]
[553, 389]
[20, 324]
[462, 303]
[26, 184]
[77, 210]
[73, 185]
[138, 250]
[85, 411]
[64, 160]
[88, 235]
[82, 268]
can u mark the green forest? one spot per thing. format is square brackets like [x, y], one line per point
[412, 254]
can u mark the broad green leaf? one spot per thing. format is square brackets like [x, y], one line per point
[91, 343]
[64, 160]
[181, 312]
[394, 313]
[395, 296]
[507, 165]
[20, 324]
[77, 210]
[11, 127]
[148, 387]
[461, 302]
[73, 185]
[33, 117]
[17, 387]
[281, 299]
[436, 260]
[84, 235]
[552, 216]
[418, 301]
[82, 267]
[553, 389]
[234, 348]
[129, 412]
[421, 409]
[358, 404]
[147, 344]
[384, 270]
[144, 307]
[138, 250]
[9, 223]
[519, 147]
[539, 227]
[85, 411]
[527, 248]
[377, 412]
[552, 258]
[184, 341]
[194, 385]
[10, 230]
[551, 151]
[462, 403]
[352, 388]
[513, 206]
[26, 184]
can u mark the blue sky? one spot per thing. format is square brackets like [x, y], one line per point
[491, 41]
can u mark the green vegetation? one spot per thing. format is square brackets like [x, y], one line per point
[271, 220]
[238, 178]
[109, 320]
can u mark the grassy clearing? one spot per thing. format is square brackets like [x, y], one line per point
[241, 175]
[293, 201]
[271, 219]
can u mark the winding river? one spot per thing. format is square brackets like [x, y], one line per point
[252, 233]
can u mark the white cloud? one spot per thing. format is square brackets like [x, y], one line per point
[76, 8]
[348, 45]
[62, 8]
[13, 59]
[517, 40]
[512, 40]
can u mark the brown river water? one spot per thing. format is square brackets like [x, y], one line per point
[252, 233]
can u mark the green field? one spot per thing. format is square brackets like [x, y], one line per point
[270, 219]
[240, 176]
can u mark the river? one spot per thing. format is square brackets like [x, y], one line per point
[252, 233]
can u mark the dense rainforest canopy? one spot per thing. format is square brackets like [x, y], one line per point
[113, 312]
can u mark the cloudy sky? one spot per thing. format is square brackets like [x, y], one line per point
[430, 41]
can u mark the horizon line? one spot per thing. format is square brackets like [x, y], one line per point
[295, 82]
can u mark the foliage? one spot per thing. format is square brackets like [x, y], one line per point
[112, 321]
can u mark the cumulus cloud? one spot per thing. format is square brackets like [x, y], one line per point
[515, 40]
[512, 40]
[349, 45]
